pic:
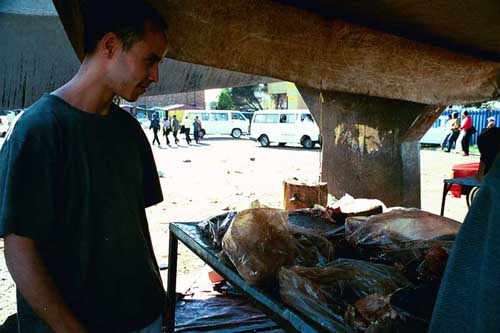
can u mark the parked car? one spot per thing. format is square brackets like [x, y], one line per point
[284, 127]
[220, 122]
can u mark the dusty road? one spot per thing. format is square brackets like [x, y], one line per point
[201, 180]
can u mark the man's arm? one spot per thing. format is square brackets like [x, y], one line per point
[36, 285]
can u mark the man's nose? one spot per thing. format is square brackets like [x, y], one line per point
[154, 73]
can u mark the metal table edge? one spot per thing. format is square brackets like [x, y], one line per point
[281, 314]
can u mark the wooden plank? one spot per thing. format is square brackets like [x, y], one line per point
[297, 194]
[271, 39]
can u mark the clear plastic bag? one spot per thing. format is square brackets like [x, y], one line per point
[215, 228]
[399, 225]
[418, 260]
[258, 243]
[326, 292]
[312, 249]
[348, 206]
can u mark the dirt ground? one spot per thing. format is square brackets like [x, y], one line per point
[201, 180]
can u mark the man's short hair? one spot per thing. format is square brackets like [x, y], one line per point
[488, 143]
[455, 115]
[125, 18]
[466, 113]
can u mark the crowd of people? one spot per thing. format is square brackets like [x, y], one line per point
[172, 125]
[460, 131]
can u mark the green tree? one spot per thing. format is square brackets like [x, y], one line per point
[225, 101]
[245, 99]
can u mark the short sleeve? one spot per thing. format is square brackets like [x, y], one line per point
[27, 189]
[151, 182]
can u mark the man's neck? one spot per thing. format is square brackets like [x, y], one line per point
[87, 92]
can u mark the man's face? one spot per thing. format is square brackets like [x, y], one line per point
[134, 70]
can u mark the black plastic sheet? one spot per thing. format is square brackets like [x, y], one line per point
[214, 228]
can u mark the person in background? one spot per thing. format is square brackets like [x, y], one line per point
[155, 126]
[448, 132]
[175, 128]
[491, 122]
[488, 144]
[468, 130]
[455, 131]
[200, 134]
[308, 119]
[187, 129]
[196, 129]
[166, 129]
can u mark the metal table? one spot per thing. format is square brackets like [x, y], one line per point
[469, 181]
[189, 235]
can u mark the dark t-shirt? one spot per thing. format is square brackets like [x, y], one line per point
[78, 183]
[468, 298]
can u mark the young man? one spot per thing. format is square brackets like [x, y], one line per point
[76, 174]
[197, 129]
[455, 131]
[175, 127]
[155, 126]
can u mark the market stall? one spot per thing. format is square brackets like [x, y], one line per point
[326, 269]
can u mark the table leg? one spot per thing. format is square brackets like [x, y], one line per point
[446, 189]
[171, 282]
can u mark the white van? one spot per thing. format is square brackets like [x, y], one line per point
[284, 126]
[221, 122]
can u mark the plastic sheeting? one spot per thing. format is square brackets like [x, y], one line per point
[206, 310]
[349, 206]
[312, 250]
[399, 225]
[326, 292]
[258, 243]
[215, 228]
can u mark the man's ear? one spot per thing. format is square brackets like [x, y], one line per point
[110, 44]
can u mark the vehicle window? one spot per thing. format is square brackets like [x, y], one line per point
[288, 118]
[266, 118]
[204, 116]
[3, 113]
[237, 116]
[218, 116]
[306, 116]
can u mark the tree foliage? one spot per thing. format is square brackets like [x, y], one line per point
[245, 99]
[240, 98]
[225, 101]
